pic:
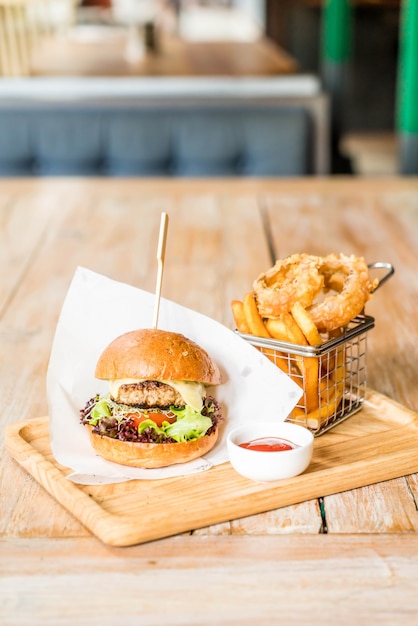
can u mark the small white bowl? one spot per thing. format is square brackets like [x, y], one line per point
[270, 465]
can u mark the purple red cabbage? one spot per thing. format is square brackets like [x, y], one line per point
[125, 430]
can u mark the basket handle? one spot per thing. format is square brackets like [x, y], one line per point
[390, 270]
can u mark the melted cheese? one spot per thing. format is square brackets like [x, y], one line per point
[192, 393]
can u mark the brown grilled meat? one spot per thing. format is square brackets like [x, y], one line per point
[149, 393]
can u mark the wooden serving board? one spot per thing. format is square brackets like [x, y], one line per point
[378, 443]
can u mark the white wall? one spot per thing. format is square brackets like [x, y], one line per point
[254, 8]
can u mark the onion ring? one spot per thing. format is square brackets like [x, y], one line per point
[348, 278]
[293, 279]
[334, 289]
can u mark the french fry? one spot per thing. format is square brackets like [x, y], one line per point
[295, 330]
[285, 328]
[311, 387]
[239, 316]
[332, 394]
[323, 384]
[339, 372]
[254, 320]
[277, 360]
[278, 329]
[306, 324]
[315, 419]
[322, 381]
[329, 393]
[298, 413]
[336, 281]
[273, 355]
[249, 321]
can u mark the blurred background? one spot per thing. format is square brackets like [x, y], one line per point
[266, 38]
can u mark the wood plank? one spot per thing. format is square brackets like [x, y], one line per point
[52, 571]
[71, 56]
[304, 517]
[246, 580]
[132, 512]
[79, 205]
[124, 249]
[30, 325]
[21, 234]
[393, 237]
[385, 507]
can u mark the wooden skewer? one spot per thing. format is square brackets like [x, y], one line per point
[160, 260]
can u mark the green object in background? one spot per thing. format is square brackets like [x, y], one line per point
[336, 30]
[408, 68]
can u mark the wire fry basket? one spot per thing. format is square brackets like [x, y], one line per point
[332, 376]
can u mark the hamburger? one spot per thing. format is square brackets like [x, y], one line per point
[157, 412]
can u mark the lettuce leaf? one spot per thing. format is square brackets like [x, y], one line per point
[189, 424]
[101, 409]
[150, 424]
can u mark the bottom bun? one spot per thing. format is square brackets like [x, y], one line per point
[150, 455]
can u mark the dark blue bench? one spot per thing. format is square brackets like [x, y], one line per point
[164, 136]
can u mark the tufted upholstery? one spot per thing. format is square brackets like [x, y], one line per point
[137, 142]
[160, 128]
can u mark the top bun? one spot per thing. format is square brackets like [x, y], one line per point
[153, 354]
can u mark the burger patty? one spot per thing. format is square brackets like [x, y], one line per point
[148, 394]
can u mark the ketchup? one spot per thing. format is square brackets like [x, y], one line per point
[269, 444]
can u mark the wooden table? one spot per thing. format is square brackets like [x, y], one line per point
[349, 557]
[104, 54]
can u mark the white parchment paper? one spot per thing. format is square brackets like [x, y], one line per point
[98, 309]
